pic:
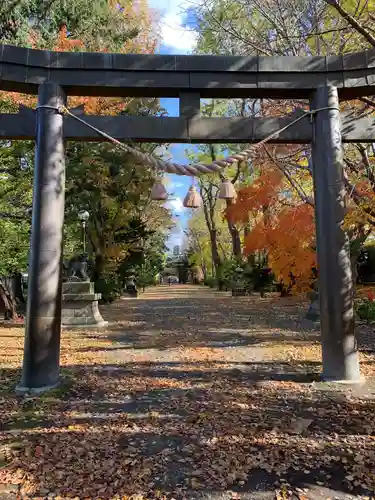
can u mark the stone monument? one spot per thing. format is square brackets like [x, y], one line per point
[238, 285]
[79, 300]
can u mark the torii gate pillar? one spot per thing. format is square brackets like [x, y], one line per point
[43, 319]
[339, 349]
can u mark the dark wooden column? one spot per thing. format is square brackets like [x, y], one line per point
[340, 357]
[43, 320]
[190, 104]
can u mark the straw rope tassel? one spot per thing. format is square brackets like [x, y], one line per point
[227, 191]
[193, 198]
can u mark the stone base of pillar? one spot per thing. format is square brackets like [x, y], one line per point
[35, 391]
[80, 306]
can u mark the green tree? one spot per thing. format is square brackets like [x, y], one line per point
[99, 25]
[106, 182]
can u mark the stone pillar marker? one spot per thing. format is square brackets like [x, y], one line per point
[43, 320]
[340, 357]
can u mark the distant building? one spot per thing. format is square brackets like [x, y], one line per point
[176, 250]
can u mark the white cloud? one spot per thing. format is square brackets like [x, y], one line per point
[176, 236]
[176, 205]
[174, 34]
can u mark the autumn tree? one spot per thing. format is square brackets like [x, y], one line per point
[282, 228]
[218, 108]
[209, 186]
[199, 241]
[105, 181]
[298, 27]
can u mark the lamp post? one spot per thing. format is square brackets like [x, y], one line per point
[84, 217]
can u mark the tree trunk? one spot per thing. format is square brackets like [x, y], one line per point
[208, 210]
[204, 270]
[353, 263]
[98, 267]
[17, 289]
[354, 256]
[235, 235]
[215, 250]
[236, 241]
[9, 303]
[356, 246]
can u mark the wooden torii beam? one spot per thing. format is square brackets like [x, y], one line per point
[196, 130]
[104, 74]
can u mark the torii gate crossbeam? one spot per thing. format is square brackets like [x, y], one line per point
[104, 74]
[188, 130]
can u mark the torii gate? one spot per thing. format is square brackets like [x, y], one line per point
[324, 80]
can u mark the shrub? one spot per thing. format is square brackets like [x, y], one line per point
[366, 308]
[259, 278]
[227, 275]
[210, 281]
[109, 288]
[366, 265]
[144, 280]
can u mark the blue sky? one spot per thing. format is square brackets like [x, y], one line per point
[176, 38]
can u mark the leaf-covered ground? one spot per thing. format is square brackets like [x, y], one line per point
[189, 394]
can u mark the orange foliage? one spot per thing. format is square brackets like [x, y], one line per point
[65, 44]
[286, 234]
[288, 239]
[143, 43]
[363, 188]
[262, 193]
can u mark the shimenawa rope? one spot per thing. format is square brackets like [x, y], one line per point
[178, 168]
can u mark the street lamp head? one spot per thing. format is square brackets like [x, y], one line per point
[83, 216]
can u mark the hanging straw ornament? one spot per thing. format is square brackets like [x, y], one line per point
[227, 191]
[193, 198]
[158, 191]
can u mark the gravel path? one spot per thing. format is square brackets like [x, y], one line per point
[189, 394]
[165, 322]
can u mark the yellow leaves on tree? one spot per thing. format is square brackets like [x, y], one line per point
[361, 209]
[66, 44]
[364, 188]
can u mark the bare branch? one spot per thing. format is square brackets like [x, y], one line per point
[368, 101]
[352, 21]
[298, 189]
